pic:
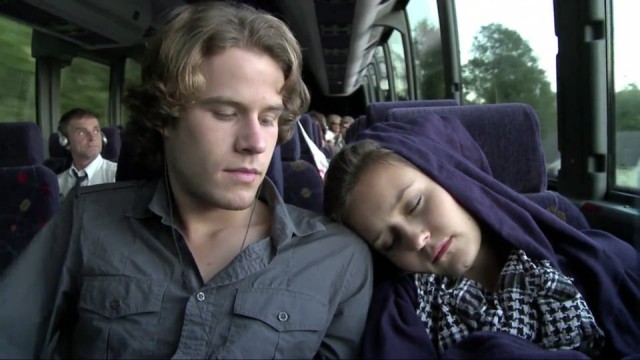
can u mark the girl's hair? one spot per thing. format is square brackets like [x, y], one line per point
[346, 169]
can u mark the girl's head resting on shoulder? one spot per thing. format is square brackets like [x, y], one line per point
[400, 212]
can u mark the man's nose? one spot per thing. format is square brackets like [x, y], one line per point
[250, 136]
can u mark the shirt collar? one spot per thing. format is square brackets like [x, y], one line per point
[286, 223]
[90, 169]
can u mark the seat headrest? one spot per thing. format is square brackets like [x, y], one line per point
[111, 150]
[377, 112]
[508, 134]
[21, 144]
[290, 150]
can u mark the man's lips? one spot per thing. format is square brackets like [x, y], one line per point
[243, 174]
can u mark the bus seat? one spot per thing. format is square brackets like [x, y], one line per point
[21, 144]
[290, 149]
[358, 125]
[305, 150]
[29, 199]
[59, 158]
[377, 111]
[303, 186]
[274, 171]
[128, 169]
[509, 135]
[309, 127]
[561, 207]
[55, 149]
[111, 150]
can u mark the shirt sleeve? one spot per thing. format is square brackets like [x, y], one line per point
[343, 337]
[35, 288]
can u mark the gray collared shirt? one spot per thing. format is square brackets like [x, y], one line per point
[107, 278]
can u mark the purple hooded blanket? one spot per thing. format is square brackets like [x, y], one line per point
[605, 269]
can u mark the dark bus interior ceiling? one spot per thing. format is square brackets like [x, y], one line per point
[338, 37]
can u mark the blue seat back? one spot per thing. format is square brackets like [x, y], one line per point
[561, 207]
[30, 197]
[21, 144]
[377, 111]
[358, 125]
[509, 135]
[303, 185]
[290, 150]
[274, 171]
[111, 150]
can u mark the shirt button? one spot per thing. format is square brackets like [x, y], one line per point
[114, 304]
[283, 316]
[200, 296]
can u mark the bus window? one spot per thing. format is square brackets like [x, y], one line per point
[508, 52]
[375, 85]
[17, 73]
[379, 59]
[366, 84]
[427, 49]
[627, 94]
[398, 66]
[131, 73]
[85, 84]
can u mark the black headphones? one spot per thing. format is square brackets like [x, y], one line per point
[64, 141]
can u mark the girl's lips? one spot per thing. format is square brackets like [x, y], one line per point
[441, 250]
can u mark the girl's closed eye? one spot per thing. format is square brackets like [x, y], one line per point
[415, 204]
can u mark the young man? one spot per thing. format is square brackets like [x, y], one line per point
[204, 261]
[80, 132]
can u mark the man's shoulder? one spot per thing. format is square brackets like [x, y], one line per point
[327, 231]
[109, 165]
[115, 193]
[107, 189]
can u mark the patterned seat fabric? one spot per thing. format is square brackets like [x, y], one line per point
[29, 200]
[561, 207]
[303, 185]
[21, 144]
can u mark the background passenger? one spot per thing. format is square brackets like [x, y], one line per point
[478, 266]
[80, 133]
[204, 260]
[333, 133]
[345, 122]
[322, 122]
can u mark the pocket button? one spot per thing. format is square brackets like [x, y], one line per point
[283, 316]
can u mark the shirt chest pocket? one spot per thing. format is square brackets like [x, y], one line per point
[115, 315]
[274, 323]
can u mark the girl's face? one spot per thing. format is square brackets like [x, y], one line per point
[414, 222]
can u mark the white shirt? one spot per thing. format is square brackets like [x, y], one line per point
[318, 156]
[99, 171]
